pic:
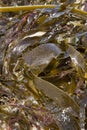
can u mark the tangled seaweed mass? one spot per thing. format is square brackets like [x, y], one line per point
[43, 66]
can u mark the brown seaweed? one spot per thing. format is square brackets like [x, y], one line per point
[43, 64]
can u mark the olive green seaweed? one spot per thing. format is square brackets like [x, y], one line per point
[33, 7]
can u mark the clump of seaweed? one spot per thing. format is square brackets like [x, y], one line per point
[43, 64]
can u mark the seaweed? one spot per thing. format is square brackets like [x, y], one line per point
[43, 64]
